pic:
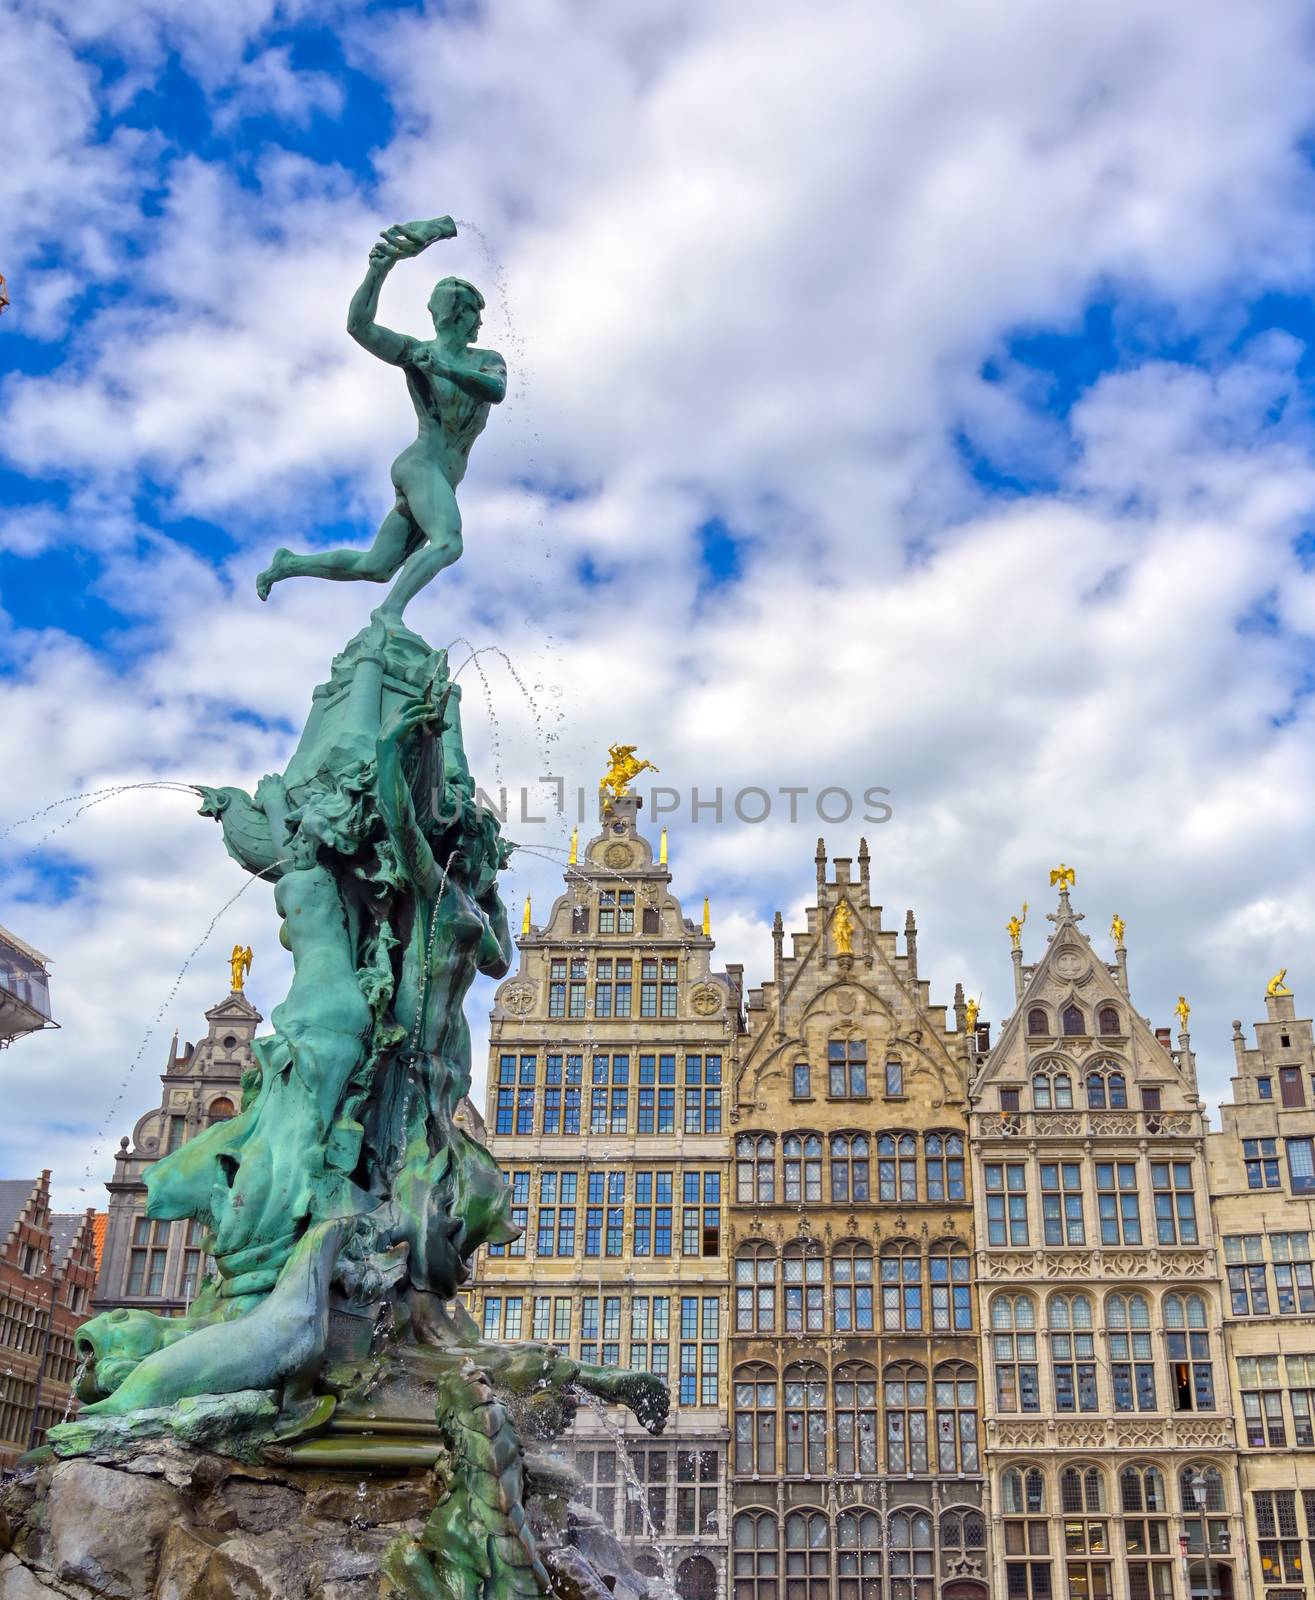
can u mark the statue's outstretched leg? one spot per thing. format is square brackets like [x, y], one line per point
[397, 536]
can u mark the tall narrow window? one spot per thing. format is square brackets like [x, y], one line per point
[897, 1166]
[1262, 1402]
[945, 1175]
[912, 1560]
[1291, 1090]
[906, 1418]
[858, 1555]
[805, 1390]
[1175, 1203]
[1132, 1363]
[849, 1168]
[1073, 1353]
[802, 1167]
[954, 1390]
[847, 1068]
[856, 1419]
[1191, 1372]
[901, 1288]
[755, 1168]
[1116, 1200]
[1014, 1355]
[951, 1287]
[1006, 1202]
[805, 1290]
[755, 1289]
[1061, 1202]
[755, 1420]
[851, 1288]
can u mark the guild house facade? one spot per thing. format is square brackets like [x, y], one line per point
[856, 1459]
[1262, 1182]
[608, 1058]
[1099, 1297]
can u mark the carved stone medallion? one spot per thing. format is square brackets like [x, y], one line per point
[706, 999]
[618, 855]
[1070, 964]
[518, 999]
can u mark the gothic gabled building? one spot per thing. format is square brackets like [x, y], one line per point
[1100, 1299]
[159, 1265]
[856, 1467]
[1262, 1188]
[608, 1052]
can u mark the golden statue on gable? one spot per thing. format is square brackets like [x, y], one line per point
[1118, 927]
[1064, 876]
[1182, 1011]
[1276, 984]
[239, 964]
[842, 930]
[1014, 928]
[623, 770]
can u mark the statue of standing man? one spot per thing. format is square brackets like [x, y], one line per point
[452, 384]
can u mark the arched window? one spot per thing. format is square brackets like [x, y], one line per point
[954, 1389]
[1081, 1489]
[1107, 1088]
[1146, 1532]
[803, 1167]
[755, 1289]
[901, 1287]
[1191, 1371]
[755, 1169]
[807, 1556]
[897, 1166]
[850, 1168]
[944, 1166]
[753, 1541]
[1214, 1488]
[755, 1419]
[1013, 1347]
[805, 1291]
[220, 1111]
[856, 1419]
[1074, 1021]
[906, 1418]
[951, 1287]
[1108, 1020]
[1026, 1531]
[804, 1387]
[1052, 1091]
[1023, 1493]
[1132, 1362]
[1073, 1352]
[1142, 1489]
[963, 1529]
[858, 1554]
[851, 1288]
[911, 1559]
[1038, 1022]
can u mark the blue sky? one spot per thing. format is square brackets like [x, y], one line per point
[918, 397]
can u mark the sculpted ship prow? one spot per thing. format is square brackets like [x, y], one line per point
[343, 1203]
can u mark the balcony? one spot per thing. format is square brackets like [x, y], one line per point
[24, 990]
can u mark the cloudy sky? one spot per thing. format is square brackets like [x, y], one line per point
[915, 396]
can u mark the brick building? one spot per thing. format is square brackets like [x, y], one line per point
[47, 1275]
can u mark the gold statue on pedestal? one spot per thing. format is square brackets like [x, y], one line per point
[1117, 929]
[623, 770]
[1182, 1011]
[971, 1012]
[1064, 876]
[1014, 928]
[240, 964]
[842, 930]
[1276, 984]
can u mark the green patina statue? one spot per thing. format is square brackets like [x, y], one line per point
[343, 1204]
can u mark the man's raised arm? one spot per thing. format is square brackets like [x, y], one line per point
[379, 341]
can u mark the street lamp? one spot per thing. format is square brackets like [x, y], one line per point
[1199, 1487]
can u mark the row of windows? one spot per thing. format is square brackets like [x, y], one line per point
[1261, 1384]
[1249, 1277]
[1104, 1088]
[1130, 1365]
[901, 1290]
[679, 1491]
[809, 1425]
[148, 1259]
[1260, 1157]
[670, 1213]
[807, 1548]
[1278, 1536]
[1083, 1536]
[695, 1330]
[1073, 1021]
[849, 1167]
[614, 985]
[626, 1094]
[1011, 1214]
